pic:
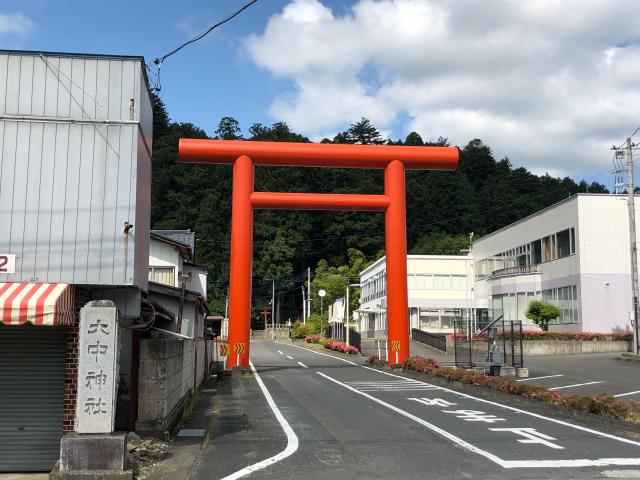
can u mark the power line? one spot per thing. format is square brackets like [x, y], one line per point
[160, 60]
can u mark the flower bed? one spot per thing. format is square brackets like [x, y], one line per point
[342, 347]
[600, 404]
[314, 339]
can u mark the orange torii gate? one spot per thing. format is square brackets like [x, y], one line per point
[244, 155]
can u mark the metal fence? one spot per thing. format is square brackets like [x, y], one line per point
[435, 340]
[499, 343]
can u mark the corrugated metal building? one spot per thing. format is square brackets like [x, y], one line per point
[75, 181]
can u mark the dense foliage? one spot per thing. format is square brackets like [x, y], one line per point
[442, 207]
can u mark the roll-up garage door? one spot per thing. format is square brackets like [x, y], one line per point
[31, 397]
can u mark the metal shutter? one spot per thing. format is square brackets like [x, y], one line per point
[31, 397]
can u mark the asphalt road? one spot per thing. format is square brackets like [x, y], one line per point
[343, 420]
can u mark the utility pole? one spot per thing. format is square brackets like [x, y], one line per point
[273, 307]
[632, 240]
[346, 317]
[308, 291]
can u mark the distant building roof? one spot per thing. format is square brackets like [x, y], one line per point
[185, 237]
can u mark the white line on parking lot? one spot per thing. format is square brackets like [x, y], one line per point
[280, 352]
[289, 357]
[625, 394]
[302, 365]
[537, 378]
[575, 385]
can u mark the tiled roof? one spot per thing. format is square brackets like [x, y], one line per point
[186, 237]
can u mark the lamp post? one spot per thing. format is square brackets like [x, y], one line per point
[321, 294]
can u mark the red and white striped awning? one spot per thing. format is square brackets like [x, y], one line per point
[36, 303]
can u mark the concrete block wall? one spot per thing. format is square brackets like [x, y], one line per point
[165, 383]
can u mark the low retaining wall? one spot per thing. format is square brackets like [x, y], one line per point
[534, 348]
[538, 348]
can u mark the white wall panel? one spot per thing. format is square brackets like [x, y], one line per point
[67, 188]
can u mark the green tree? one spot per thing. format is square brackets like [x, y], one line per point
[541, 313]
[228, 129]
[362, 133]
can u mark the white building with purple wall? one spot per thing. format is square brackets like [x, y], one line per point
[574, 254]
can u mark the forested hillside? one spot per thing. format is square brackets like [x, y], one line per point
[443, 207]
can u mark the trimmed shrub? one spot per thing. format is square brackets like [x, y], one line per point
[300, 330]
[342, 347]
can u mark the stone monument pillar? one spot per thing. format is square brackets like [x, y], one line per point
[94, 450]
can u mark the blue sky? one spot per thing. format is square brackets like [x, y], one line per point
[551, 85]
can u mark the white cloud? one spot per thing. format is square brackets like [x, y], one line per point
[549, 83]
[15, 24]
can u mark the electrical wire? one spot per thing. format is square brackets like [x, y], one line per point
[158, 61]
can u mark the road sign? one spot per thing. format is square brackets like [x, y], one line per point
[395, 345]
[223, 349]
[239, 348]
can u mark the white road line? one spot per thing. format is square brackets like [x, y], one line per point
[581, 462]
[319, 353]
[514, 409]
[302, 365]
[625, 394]
[537, 378]
[289, 357]
[419, 420]
[280, 352]
[292, 438]
[575, 385]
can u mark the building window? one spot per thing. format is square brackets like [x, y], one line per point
[536, 249]
[566, 299]
[564, 243]
[164, 275]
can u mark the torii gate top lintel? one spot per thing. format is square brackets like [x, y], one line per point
[286, 154]
[245, 155]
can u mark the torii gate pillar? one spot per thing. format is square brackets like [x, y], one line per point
[245, 155]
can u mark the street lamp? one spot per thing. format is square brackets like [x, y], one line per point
[321, 294]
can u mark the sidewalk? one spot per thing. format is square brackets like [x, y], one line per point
[191, 438]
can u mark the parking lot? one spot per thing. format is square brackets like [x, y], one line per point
[591, 373]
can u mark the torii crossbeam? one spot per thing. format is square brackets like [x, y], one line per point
[244, 155]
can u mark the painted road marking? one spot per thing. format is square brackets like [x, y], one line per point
[538, 378]
[289, 357]
[531, 436]
[625, 394]
[319, 353]
[575, 385]
[390, 386]
[433, 401]
[280, 352]
[292, 438]
[514, 409]
[475, 416]
[302, 365]
[557, 463]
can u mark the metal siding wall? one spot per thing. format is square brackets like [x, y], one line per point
[66, 189]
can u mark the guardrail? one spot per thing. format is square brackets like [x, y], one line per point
[435, 340]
